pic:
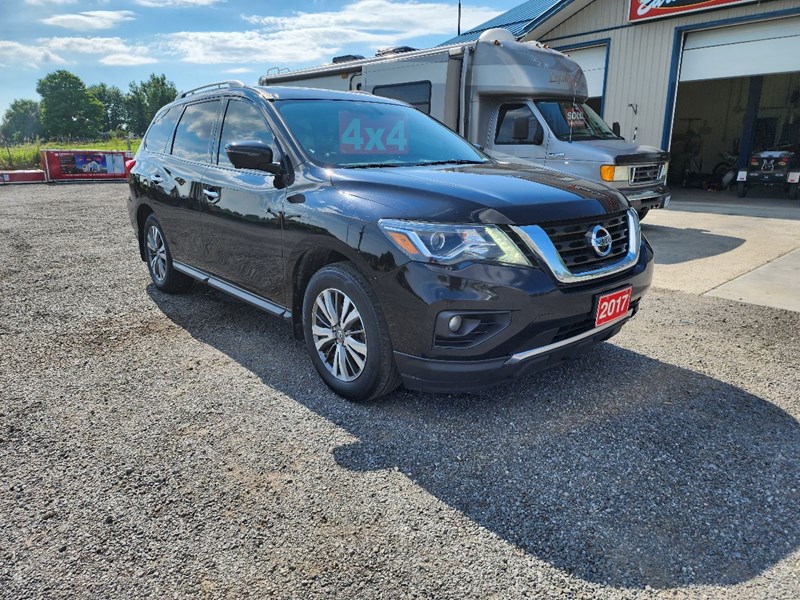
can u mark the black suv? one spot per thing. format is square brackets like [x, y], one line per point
[396, 249]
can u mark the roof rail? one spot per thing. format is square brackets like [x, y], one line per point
[218, 84]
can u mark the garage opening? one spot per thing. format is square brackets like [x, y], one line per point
[738, 93]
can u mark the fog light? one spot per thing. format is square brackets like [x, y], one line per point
[455, 323]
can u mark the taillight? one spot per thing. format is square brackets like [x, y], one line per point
[753, 161]
[782, 162]
[129, 164]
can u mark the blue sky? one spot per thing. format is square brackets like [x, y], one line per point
[198, 41]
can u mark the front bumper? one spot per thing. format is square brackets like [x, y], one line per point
[655, 197]
[548, 321]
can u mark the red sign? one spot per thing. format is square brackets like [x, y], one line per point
[574, 116]
[358, 135]
[641, 10]
[65, 165]
[613, 306]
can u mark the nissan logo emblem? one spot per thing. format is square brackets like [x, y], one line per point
[600, 240]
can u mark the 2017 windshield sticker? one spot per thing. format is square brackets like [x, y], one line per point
[360, 135]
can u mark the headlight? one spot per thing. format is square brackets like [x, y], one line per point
[614, 173]
[448, 244]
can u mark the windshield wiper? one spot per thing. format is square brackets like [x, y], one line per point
[374, 165]
[452, 162]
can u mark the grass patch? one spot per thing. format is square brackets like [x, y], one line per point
[26, 156]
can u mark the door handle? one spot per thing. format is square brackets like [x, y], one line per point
[211, 196]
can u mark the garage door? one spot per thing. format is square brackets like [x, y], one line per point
[755, 49]
[593, 62]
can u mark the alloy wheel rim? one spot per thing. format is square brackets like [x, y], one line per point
[156, 254]
[339, 335]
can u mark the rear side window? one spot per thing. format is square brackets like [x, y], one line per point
[193, 135]
[243, 122]
[161, 130]
[417, 94]
[505, 124]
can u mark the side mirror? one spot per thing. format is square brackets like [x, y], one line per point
[538, 133]
[252, 154]
[616, 128]
[520, 128]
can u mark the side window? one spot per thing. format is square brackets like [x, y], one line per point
[505, 124]
[161, 130]
[193, 136]
[417, 94]
[243, 122]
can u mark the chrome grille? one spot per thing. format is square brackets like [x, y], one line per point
[645, 174]
[572, 243]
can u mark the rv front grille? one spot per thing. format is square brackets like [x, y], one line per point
[645, 174]
[572, 241]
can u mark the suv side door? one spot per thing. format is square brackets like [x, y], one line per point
[241, 209]
[183, 166]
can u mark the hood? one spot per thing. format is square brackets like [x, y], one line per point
[617, 152]
[488, 193]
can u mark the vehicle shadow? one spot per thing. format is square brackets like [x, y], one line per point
[617, 468]
[674, 245]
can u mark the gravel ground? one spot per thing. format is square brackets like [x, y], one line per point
[183, 446]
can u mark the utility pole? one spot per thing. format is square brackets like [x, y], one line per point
[459, 17]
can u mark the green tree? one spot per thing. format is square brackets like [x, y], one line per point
[113, 101]
[68, 109]
[21, 121]
[145, 98]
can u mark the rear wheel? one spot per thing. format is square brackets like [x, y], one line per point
[792, 191]
[346, 335]
[159, 259]
[741, 189]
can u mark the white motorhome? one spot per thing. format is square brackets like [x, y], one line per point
[519, 101]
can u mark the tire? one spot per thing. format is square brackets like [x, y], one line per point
[642, 212]
[792, 191]
[741, 189]
[159, 259]
[364, 339]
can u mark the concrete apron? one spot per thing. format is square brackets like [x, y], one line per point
[715, 244]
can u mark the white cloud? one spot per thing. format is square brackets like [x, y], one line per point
[19, 55]
[115, 50]
[90, 20]
[174, 3]
[313, 37]
[127, 60]
[238, 70]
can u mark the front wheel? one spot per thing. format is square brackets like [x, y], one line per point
[741, 189]
[346, 334]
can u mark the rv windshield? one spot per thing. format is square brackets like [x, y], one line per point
[575, 121]
[351, 133]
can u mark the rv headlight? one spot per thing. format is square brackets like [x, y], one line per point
[614, 173]
[448, 244]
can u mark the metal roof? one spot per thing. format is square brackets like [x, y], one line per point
[519, 20]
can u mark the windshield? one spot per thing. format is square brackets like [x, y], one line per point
[350, 133]
[574, 121]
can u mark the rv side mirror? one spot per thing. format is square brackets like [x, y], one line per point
[520, 129]
[252, 154]
[538, 133]
[616, 128]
